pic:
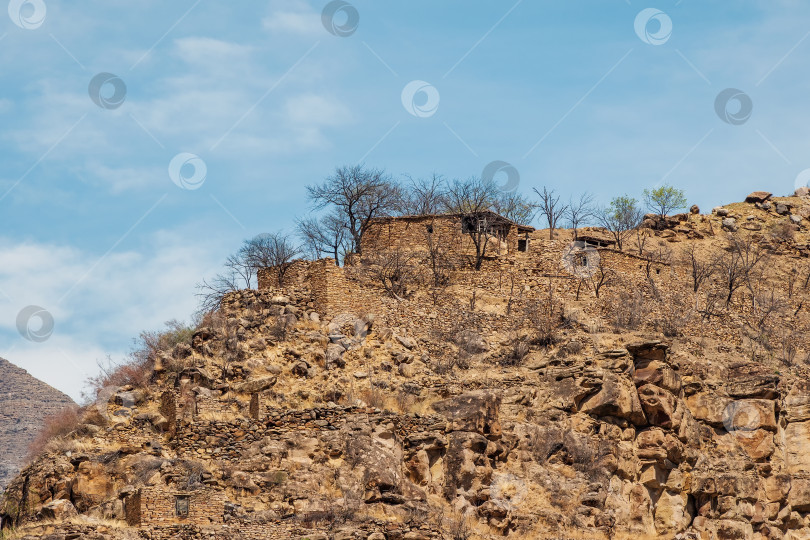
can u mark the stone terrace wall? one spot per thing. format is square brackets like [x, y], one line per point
[522, 275]
[238, 529]
[297, 275]
[333, 292]
[228, 440]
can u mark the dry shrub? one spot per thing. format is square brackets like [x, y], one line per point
[458, 526]
[374, 397]
[515, 352]
[674, 314]
[282, 326]
[545, 319]
[626, 310]
[137, 368]
[56, 425]
[783, 231]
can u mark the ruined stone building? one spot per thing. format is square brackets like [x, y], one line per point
[452, 232]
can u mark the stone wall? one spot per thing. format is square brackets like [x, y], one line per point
[296, 275]
[518, 278]
[416, 233]
[156, 506]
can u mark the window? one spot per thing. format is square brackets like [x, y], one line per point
[523, 244]
[181, 505]
[430, 229]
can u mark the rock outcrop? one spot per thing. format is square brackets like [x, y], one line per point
[24, 404]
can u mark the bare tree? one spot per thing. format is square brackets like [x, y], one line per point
[551, 208]
[272, 250]
[601, 277]
[620, 218]
[515, 207]
[211, 292]
[730, 270]
[736, 267]
[700, 268]
[643, 234]
[579, 212]
[474, 199]
[423, 196]
[396, 270]
[359, 195]
[661, 254]
[324, 236]
[439, 261]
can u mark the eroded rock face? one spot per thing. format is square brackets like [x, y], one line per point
[24, 404]
[626, 438]
[475, 412]
[617, 397]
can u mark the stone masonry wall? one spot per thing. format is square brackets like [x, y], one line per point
[206, 507]
[295, 276]
[411, 234]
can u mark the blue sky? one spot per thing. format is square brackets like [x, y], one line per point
[95, 231]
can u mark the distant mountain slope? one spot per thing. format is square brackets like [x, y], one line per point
[24, 403]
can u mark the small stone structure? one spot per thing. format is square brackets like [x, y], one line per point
[452, 231]
[163, 506]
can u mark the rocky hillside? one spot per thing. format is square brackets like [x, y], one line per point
[637, 401]
[24, 404]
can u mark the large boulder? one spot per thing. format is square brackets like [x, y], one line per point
[749, 415]
[797, 441]
[799, 497]
[797, 402]
[751, 381]
[466, 469]
[617, 397]
[92, 485]
[758, 197]
[708, 407]
[58, 510]
[648, 350]
[476, 412]
[673, 513]
[658, 373]
[659, 406]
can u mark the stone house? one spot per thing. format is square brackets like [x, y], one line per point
[452, 232]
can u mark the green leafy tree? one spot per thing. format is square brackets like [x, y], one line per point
[664, 199]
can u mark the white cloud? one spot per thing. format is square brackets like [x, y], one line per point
[294, 17]
[97, 304]
[205, 51]
[316, 110]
